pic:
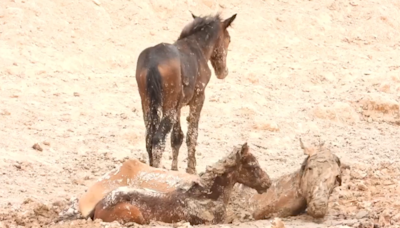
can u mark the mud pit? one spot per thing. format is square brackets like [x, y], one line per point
[297, 68]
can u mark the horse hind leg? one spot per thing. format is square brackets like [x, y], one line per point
[158, 142]
[152, 121]
[176, 141]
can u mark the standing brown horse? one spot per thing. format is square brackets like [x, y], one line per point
[170, 76]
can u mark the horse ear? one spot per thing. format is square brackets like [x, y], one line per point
[194, 16]
[229, 21]
[244, 150]
[307, 151]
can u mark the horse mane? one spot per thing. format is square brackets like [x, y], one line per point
[201, 24]
[208, 177]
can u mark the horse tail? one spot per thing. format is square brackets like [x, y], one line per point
[154, 90]
[154, 93]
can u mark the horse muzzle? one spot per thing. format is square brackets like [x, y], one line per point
[317, 209]
[223, 74]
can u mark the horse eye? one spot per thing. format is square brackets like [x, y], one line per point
[309, 168]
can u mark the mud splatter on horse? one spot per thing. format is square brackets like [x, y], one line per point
[204, 202]
[306, 189]
[170, 76]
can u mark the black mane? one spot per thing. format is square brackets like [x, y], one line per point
[201, 26]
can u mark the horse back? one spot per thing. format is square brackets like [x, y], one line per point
[164, 60]
[118, 177]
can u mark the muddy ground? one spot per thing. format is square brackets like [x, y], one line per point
[326, 69]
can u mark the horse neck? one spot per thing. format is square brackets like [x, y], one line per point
[220, 186]
[204, 43]
[293, 180]
[207, 46]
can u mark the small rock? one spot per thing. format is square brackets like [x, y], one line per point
[277, 223]
[5, 113]
[97, 2]
[362, 187]
[269, 126]
[18, 166]
[385, 87]
[182, 225]
[37, 147]
[357, 175]
[78, 182]
[46, 143]
[58, 203]
[362, 214]
[76, 94]
[123, 116]
[252, 78]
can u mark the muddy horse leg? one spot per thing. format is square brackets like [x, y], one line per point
[196, 106]
[158, 142]
[151, 121]
[176, 140]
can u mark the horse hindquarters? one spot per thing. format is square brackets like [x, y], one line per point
[123, 212]
[159, 79]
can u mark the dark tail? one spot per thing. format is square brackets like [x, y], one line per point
[154, 89]
[154, 92]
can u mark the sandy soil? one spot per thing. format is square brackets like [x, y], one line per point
[328, 69]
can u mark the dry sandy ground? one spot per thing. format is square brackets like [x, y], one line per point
[328, 69]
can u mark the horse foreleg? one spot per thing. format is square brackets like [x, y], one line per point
[158, 142]
[176, 141]
[191, 139]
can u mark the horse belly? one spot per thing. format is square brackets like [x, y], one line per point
[187, 94]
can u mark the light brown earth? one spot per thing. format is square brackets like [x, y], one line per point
[328, 68]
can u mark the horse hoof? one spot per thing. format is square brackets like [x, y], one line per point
[191, 171]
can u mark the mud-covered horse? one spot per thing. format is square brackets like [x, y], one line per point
[133, 173]
[309, 188]
[170, 76]
[203, 201]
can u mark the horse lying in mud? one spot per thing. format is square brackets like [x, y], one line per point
[204, 201]
[132, 172]
[170, 76]
[308, 188]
